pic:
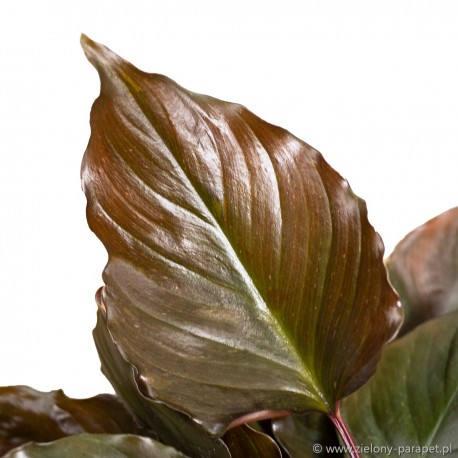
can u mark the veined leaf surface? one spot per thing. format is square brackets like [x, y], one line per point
[243, 274]
[411, 403]
[172, 427]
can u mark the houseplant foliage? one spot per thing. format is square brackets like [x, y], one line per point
[412, 401]
[29, 415]
[424, 269]
[410, 406]
[95, 445]
[249, 266]
[245, 299]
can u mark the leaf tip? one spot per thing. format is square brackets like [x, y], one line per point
[84, 40]
[88, 45]
[97, 54]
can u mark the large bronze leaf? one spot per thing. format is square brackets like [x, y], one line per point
[424, 269]
[243, 275]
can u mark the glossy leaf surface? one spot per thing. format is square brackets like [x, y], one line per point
[97, 446]
[412, 400]
[424, 269]
[30, 415]
[306, 436]
[243, 274]
[172, 427]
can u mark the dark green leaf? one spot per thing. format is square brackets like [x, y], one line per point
[424, 269]
[172, 427]
[412, 400]
[97, 446]
[243, 274]
[306, 436]
[30, 415]
[244, 442]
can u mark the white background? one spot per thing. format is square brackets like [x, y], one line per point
[372, 85]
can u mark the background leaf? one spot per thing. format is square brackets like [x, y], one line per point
[244, 441]
[424, 269]
[97, 446]
[298, 434]
[30, 415]
[412, 400]
[243, 274]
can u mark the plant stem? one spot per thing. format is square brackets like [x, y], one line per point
[345, 434]
[259, 416]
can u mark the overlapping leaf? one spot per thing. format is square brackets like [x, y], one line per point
[97, 446]
[306, 436]
[244, 441]
[424, 269]
[30, 415]
[243, 274]
[411, 403]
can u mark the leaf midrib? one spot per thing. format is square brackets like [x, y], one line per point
[232, 254]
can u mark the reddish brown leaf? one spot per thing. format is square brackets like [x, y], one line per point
[243, 274]
[424, 269]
